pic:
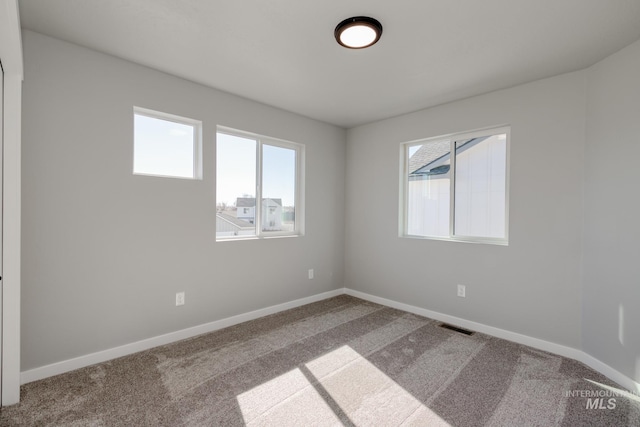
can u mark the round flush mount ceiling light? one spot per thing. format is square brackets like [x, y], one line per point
[358, 32]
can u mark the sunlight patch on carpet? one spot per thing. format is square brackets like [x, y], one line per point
[362, 392]
[366, 394]
[289, 399]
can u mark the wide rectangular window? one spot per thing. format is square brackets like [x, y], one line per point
[166, 145]
[461, 197]
[259, 186]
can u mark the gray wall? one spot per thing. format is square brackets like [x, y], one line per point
[104, 251]
[611, 319]
[532, 286]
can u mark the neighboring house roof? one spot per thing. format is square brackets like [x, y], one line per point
[245, 202]
[235, 222]
[430, 158]
[250, 202]
[427, 154]
[275, 201]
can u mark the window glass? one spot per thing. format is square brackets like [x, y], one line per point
[481, 186]
[165, 147]
[428, 192]
[279, 188]
[250, 168]
[235, 185]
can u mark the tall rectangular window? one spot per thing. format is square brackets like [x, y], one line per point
[258, 187]
[461, 197]
[166, 145]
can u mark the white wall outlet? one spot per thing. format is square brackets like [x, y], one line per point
[462, 291]
[311, 273]
[180, 298]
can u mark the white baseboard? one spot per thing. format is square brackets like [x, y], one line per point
[537, 343]
[124, 350]
[610, 373]
[474, 326]
[109, 354]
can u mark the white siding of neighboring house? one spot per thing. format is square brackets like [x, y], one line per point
[480, 190]
[428, 206]
[246, 213]
[271, 215]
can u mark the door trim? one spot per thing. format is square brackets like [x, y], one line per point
[11, 57]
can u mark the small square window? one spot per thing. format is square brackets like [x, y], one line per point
[166, 145]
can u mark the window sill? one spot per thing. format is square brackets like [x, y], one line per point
[485, 241]
[243, 238]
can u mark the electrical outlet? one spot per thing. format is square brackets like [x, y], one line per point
[462, 290]
[180, 298]
[311, 273]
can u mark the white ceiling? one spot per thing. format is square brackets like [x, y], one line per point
[283, 53]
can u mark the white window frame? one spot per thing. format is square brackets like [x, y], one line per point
[262, 140]
[197, 141]
[452, 138]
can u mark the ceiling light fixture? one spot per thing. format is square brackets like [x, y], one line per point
[358, 32]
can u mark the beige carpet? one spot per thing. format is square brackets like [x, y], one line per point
[342, 361]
